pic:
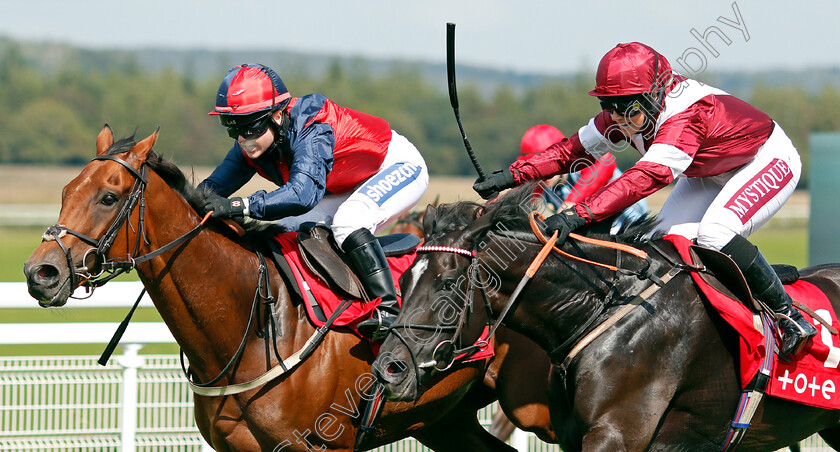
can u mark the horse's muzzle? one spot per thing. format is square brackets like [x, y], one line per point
[47, 284]
[397, 377]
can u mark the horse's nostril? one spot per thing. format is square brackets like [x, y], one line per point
[396, 367]
[46, 272]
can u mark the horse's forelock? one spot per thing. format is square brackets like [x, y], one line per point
[451, 217]
[122, 145]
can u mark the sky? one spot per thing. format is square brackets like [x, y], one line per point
[527, 36]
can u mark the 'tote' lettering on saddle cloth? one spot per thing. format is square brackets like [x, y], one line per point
[812, 377]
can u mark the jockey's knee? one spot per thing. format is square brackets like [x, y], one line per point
[715, 235]
[341, 231]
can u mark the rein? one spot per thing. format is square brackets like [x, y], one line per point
[658, 283]
[101, 247]
[444, 353]
[263, 293]
[616, 246]
[115, 267]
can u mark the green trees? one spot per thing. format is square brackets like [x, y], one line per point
[53, 116]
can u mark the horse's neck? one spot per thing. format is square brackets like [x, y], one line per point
[557, 299]
[576, 297]
[205, 288]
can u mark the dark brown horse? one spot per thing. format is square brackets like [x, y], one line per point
[521, 384]
[662, 378]
[124, 208]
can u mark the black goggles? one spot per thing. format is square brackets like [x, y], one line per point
[624, 107]
[250, 130]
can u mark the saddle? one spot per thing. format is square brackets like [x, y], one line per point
[722, 273]
[322, 256]
[724, 276]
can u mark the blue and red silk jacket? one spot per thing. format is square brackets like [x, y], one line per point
[328, 149]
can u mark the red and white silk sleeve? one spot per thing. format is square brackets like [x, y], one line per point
[592, 178]
[638, 182]
[571, 154]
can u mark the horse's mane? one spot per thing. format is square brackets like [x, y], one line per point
[454, 216]
[168, 171]
[509, 214]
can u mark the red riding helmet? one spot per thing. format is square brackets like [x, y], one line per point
[538, 138]
[249, 89]
[632, 68]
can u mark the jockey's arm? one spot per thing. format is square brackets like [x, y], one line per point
[311, 160]
[568, 155]
[638, 182]
[592, 178]
[230, 175]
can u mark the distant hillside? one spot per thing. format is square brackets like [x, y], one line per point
[79, 89]
[204, 64]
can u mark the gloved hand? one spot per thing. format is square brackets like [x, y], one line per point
[496, 182]
[564, 223]
[224, 207]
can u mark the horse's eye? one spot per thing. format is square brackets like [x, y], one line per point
[109, 199]
[449, 284]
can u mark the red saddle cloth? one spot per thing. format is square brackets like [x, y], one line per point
[811, 377]
[329, 301]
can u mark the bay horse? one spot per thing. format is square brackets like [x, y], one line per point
[129, 208]
[521, 384]
[410, 222]
[663, 377]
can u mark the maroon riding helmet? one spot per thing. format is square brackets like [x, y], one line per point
[632, 72]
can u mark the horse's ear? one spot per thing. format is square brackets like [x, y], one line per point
[141, 150]
[429, 220]
[481, 223]
[104, 140]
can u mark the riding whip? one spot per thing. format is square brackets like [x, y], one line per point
[453, 95]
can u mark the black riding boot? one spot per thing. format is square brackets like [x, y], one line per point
[373, 270]
[767, 287]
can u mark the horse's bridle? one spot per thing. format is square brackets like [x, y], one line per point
[445, 352]
[100, 247]
[263, 294]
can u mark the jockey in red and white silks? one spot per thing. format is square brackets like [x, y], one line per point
[734, 166]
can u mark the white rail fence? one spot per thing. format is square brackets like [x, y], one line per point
[61, 403]
[135, 403]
